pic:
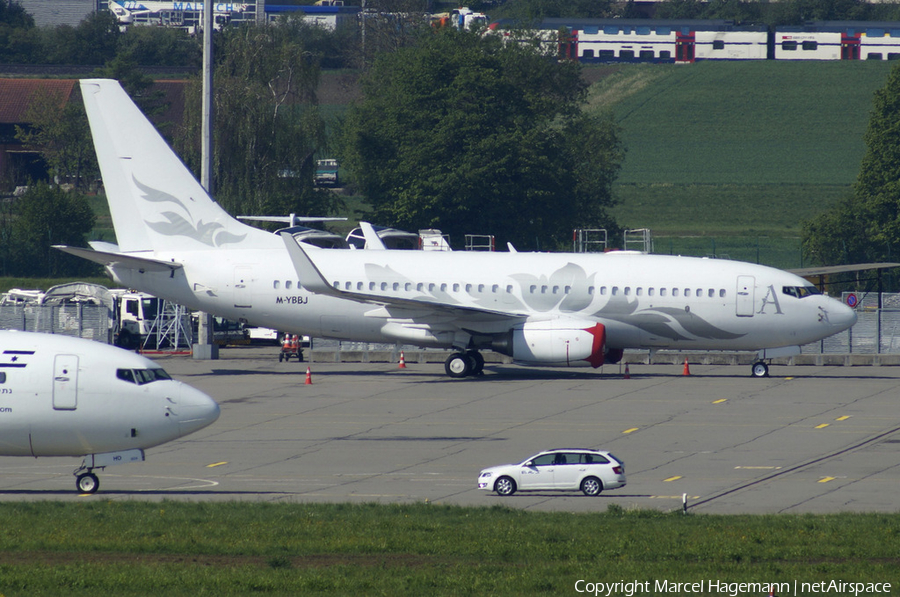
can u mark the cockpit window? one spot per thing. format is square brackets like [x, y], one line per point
[800, 291]
[142, 376]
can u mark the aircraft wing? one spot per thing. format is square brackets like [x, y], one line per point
[313, 280]
[120, 259]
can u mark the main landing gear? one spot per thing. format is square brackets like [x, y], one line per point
[760, 369]
[461, 364]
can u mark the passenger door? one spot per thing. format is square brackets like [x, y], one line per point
[569, 470]
[65, 382]
[539, 475]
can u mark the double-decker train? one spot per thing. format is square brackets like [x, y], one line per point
[640, 40]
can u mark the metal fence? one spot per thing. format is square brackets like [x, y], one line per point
[80, 320]
[877, 329]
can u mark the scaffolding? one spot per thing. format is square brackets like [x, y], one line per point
[170, 328]
[480, 242]
[589, 240]
[639, 240]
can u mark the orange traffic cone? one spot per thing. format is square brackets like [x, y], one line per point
[402, 361]
[308, 381]
[627, 372]
[687, 370]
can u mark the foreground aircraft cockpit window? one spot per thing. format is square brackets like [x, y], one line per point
[142, 376]
[800, 291]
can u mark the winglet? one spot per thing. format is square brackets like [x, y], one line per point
[373, 241]
[310, 276]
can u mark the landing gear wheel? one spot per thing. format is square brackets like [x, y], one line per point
[477, 362]
[458, 365]
[591, 486]
[87, 483]
[760, 369]
[505, 486]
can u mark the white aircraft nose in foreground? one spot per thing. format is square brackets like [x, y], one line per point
[64, 396]
[175, 242]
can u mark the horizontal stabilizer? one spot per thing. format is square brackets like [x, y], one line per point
[120, 259]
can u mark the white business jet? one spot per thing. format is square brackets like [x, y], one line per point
[175, 242]
[65, 396]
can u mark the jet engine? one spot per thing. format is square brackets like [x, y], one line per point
[554, 341]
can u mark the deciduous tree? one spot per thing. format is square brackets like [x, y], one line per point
[469, 134]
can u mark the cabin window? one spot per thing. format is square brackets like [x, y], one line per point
[662, 292]
[568, 289]
[420, 287]
[603, 290]
[277, 284]
[407, 287]
[348, 285]
[712, 293]
[481, 288]
[615, 290]
[556, 290]
[125, 375]
[431, 288]
[142, 376]
[639, 291]
[627, 291]
[687, 292]
[468, 288]
[721, 293]
[287, 285]
[532, 289]
[384, 286]
[543, 290]
[336, 284]
[651, 291]
[495, 288]
[2, 376]
[509, 289]
[396, 286]
[456, 288]
[590, 290]
[359, 286]
[674, 292]
[371, 285]
[699, 293]
[443, 287]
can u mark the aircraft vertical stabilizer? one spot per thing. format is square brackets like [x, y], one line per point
[155, 201]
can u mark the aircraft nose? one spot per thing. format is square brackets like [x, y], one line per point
[841, 316]
[196, 410]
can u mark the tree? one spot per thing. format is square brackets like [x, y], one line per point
[267, 124]
[471, 135]
[59, 130]
[45, 216]
[866, 226]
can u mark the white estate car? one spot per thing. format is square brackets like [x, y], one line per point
[591, 471]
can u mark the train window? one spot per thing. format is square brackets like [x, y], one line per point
[789, 46]
[894, 33]
[590, 30]
[643, 30]
[893, 56]
[718, 44]
[647, 54]
[874, 56]
[875, 32]
[664, 31]
[665, 54]
[810, 45]
[611, 30]
[587, 54]
[606, 54]
[626, 54]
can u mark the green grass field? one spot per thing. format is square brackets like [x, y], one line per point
[140, 548]
[730, 158]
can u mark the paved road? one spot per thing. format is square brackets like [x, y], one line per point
[807, 439]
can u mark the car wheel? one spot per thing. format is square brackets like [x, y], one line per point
[591, 486]
[505, 486]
